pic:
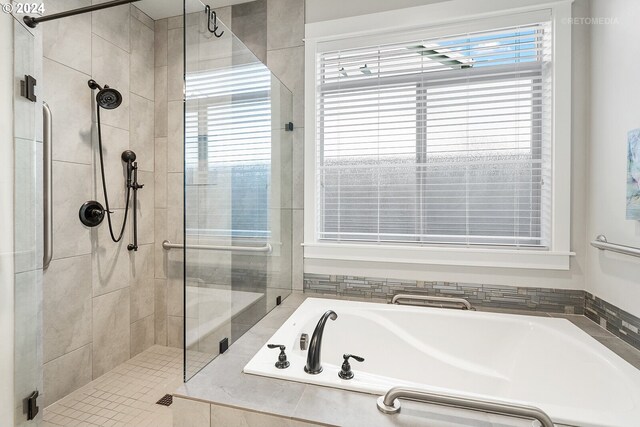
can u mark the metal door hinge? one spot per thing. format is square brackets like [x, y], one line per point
[32, 405]
[27, 88]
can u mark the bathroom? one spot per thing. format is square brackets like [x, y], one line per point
[319, 212]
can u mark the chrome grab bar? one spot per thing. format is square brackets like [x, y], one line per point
[429, 298]
[267, 248]
[389, 404]
[602, 244]
[47, 178]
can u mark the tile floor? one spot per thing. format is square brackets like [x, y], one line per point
[126, 395]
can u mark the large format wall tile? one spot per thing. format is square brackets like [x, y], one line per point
[142, 283]
[175, 71]
[175, 208]
[297, 169]
[105, 316]
[288, 66]
[110, 260]
[110, 66]
[161, 107]
[142, 59]
[68, 40]
[160, 173]
[141, 131]
[146, 209]
[142, 17]
[142, 335]
[160, 43]
[175, 331]
[71, 188]
[280, 12]
[248, 25]
[114, 142]
[175, 294]
[66, 374]
[112, 24]
[175, 140]
[160, 232]
[67, 306]
[111, 331]
[28, 205]
[24, 62]
[68, 95]
[160, 311]
[28, 339]
[297, 259]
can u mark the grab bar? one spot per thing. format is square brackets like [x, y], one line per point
[265, 249]
[47, 175]
[389, 404]
[602, 244]
[428, 298]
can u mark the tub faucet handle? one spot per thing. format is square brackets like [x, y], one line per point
[346, 373]
[282, 362]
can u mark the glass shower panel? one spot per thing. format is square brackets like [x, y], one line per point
[28, 244]
[237, 194]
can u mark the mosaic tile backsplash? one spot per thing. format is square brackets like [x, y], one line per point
[617, 321]
[506, 297]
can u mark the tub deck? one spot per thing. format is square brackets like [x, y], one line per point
[222, 390]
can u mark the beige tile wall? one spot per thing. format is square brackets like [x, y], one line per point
[98, 297]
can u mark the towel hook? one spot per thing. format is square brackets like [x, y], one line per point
[211, 14]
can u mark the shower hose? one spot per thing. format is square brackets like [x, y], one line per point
[104, 188]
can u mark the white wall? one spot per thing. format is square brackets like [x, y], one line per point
[323, 10]
[615, 109]
[6, 220]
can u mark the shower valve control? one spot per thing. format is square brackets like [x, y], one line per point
[282, 362]
[346, 373]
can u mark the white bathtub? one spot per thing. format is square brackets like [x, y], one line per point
[545, 362]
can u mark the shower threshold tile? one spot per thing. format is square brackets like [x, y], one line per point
[124, 396]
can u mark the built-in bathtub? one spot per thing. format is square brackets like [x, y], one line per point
[544, 362]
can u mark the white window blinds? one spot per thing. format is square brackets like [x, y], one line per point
[437, 141]
[228, 149]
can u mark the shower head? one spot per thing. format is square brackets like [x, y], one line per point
[107, 98]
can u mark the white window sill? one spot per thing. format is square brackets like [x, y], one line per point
[468, 257]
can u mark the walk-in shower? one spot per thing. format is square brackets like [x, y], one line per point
[190, 263]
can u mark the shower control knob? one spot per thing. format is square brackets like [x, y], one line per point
[91, 213]
[282, 362]
[346, 373]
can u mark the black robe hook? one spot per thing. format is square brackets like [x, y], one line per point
[211, 15]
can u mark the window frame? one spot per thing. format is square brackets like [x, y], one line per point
[433, 21]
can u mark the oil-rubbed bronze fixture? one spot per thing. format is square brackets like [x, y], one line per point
[346, 373]
[282, 362]
[33, 21]
[212, 17]
[108, 98]
[313, 365]
[91, 213]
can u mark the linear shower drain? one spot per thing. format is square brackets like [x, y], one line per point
[165, 400]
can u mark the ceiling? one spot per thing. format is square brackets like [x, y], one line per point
[158, 9]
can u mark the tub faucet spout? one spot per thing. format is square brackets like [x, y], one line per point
[315, 346]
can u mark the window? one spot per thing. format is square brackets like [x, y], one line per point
[445, 140]
[228, 148]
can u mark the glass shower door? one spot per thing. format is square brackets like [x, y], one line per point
[27, 227]
[237, 181]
